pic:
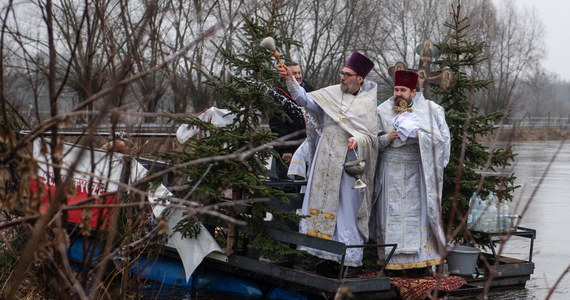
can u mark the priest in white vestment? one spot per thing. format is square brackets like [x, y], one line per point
[413, 149]
[335, 210]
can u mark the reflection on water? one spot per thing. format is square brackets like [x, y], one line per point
[544, 193]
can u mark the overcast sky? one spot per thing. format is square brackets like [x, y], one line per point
[554, 16]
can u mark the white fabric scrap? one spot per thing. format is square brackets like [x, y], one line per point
[214, 115]
[191, 250]
[407, 125]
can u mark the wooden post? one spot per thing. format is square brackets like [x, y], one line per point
[548, 128]
[232, 228]
[529, 121]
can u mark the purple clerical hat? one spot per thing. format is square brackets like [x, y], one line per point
[360, 64]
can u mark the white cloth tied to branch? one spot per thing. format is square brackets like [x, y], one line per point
[214, 115]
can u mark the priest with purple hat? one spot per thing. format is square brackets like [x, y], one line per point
[413, 148]
[336, 210]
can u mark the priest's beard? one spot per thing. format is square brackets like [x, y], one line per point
[399, 100]
[350, 88]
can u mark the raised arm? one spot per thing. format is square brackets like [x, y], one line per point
[296, 90]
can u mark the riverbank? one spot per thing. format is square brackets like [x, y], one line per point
[518, 134]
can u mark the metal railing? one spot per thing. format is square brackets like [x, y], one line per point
[529, 121]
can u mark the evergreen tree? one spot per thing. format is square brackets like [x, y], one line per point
[467, 127]
[244, 89]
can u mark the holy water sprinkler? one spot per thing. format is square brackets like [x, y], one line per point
[269, 43]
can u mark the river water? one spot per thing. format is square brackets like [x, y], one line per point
[542, 169]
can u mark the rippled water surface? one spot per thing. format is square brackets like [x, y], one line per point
[543, 171]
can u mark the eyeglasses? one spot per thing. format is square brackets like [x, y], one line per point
[347, 75]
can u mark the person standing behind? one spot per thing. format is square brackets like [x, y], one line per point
[288, 119]
[413, 149]
[349, 125]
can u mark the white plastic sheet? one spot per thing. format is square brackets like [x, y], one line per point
[214, 115]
